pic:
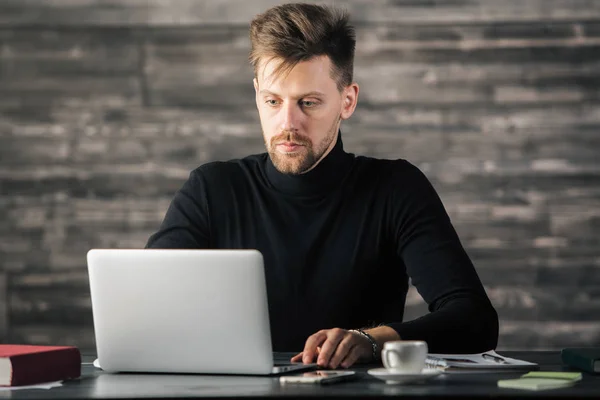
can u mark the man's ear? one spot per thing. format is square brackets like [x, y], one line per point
[349, 100]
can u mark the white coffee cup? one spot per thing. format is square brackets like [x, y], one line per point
[404, 356]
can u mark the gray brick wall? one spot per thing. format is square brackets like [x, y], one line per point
[106, 106]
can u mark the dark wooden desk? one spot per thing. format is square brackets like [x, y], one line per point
[99, 385]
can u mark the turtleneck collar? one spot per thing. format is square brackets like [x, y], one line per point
[325, 176]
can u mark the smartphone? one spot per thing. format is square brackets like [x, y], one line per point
[319, 376]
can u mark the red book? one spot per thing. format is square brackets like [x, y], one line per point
[29, 365]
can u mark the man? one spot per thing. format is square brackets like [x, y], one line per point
[340, 234]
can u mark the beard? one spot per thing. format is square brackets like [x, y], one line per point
[305, 157]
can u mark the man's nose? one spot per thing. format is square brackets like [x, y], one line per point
[290, 116]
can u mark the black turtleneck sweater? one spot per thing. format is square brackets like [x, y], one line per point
[339, 244]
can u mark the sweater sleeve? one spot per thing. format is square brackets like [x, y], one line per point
[186, 223]
[461, 318]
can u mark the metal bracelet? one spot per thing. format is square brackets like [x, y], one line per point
[374, 345]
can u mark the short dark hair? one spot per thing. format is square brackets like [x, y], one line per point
[299, 32]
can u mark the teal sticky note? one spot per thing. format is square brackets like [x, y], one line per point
[541, 380]
[570, 376]
[535, 383]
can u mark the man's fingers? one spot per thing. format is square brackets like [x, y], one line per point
[334, 337]
[351, 357]
[311, 346]
[298, 357]
[342, 350]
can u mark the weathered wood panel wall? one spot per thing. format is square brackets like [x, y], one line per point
[106, 106]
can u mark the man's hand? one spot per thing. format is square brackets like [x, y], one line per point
[335, 347]
[339, 347]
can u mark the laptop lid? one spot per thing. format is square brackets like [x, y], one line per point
[180, 311]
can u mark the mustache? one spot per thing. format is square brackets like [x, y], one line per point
[292, 137]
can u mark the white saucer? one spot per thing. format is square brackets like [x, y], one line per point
[399, 378]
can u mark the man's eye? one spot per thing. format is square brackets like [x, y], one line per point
[271, 102]
[307, 103]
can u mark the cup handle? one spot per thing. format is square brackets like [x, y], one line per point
[385, 352]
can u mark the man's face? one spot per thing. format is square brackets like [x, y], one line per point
[300, 112]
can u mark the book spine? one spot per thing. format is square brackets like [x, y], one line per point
[47, 366]
[577, 360]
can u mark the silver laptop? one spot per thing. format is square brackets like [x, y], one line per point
[182, 311]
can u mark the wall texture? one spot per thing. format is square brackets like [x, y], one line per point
[105, 106]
